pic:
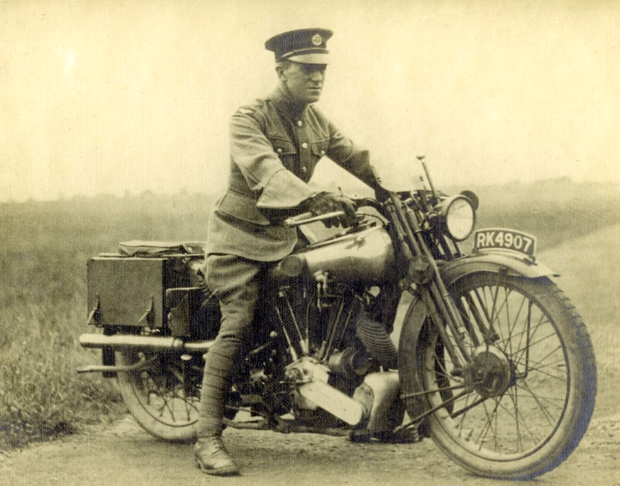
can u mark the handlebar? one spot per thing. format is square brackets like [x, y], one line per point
[307, 218]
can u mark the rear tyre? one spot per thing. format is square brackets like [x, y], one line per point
[158, 396]
[525, 402]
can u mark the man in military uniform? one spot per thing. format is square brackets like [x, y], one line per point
[275, 145]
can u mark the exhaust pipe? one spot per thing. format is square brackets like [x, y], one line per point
[155, 344]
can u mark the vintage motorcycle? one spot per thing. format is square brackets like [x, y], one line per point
[493, 361]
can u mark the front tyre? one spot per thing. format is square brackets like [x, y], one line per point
[160, 396]
[524, 403]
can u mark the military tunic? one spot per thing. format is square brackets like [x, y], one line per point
[275, 146]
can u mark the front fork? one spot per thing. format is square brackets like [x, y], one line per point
[424, 274]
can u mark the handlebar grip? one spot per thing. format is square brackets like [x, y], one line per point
[307, 218]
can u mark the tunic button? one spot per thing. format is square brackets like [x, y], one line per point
[300, 123]
[304, 145]
[304, 169]
[279, 150]
[322, 152]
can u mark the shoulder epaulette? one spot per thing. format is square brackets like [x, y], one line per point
[251, 108]
[245, 110]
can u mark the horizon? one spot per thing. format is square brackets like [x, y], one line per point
[185, 193]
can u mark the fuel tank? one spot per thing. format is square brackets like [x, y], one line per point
[366, 255]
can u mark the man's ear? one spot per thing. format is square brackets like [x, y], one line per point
[280, 73]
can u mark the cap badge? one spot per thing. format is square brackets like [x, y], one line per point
[317, 40]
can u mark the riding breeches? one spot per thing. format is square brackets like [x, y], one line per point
[236, 282]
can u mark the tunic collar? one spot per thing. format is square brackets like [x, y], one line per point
[287, 105]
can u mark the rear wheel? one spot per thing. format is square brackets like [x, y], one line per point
[524, 403]
[159, 396]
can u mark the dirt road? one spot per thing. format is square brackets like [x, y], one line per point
[124, 455]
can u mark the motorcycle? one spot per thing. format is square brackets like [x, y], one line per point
[493, 362]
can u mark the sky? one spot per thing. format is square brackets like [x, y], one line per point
[111, 96]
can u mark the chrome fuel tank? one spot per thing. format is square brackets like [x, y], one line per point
[363, 256]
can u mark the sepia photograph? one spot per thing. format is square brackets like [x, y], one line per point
[273, 243]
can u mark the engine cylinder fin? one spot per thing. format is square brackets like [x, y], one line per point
[376, 339]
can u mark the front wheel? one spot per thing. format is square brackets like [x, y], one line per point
[160, 395]
[525, 401]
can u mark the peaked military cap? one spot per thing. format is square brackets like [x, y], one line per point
[305, 46]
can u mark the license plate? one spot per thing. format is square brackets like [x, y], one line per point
[505, 239]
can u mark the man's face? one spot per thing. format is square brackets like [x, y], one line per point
[304, 81]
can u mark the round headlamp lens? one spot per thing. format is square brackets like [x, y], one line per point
[460, 218]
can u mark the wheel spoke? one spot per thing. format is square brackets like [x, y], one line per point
[159, 392]
[516, 418]
[520, 421]
[488, 425]
[501, 414]
[545, 411]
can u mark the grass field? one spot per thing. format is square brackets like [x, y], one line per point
[43, 251]
[45, 246]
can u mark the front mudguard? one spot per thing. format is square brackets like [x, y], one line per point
[493, 263]
[414, 333]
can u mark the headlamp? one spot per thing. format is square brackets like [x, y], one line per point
[458, 215]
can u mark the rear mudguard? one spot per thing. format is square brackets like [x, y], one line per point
[413, 333]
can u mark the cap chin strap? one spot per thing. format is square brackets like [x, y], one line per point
[297, 52]
[310, 59]
[306, 56]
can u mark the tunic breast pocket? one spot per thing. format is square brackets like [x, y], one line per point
[319, 148]
[283, 147]
[286, 150]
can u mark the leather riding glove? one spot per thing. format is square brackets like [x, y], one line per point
[328, 202]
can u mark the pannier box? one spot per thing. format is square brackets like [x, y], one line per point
[132, 291]
[139, 285]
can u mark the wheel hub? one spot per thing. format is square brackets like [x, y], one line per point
[492, 372]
